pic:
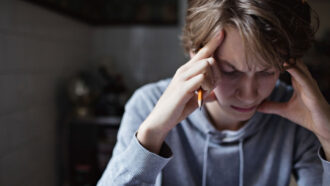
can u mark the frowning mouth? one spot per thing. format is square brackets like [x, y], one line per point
[246, 109]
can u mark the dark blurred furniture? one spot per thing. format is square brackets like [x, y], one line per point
[116, 12]
[89, 148]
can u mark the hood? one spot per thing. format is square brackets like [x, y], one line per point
[201, 121]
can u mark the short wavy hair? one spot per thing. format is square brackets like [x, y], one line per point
[273, 31]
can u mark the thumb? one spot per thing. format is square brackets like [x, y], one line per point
[271, 107]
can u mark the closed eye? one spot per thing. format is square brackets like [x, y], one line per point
[266, 73]
[230, 73]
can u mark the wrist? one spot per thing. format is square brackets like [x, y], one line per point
[151, 138]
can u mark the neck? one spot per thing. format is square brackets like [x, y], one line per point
[220, 120]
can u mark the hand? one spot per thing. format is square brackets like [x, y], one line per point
[180, 99]
[307, 107]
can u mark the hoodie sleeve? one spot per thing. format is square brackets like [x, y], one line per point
[309, 167]
[326, 167]
[131, 163]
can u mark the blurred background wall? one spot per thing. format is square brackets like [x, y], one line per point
[41, 49]
[143, 53]
[38, 49]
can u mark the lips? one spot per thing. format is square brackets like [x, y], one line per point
[244, 109]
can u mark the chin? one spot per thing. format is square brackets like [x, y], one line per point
[241, 115]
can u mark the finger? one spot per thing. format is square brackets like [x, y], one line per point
[303, 67]
[207, 85]
[203, 66]
[295, 84]
[209, 82]
[191, 105]
[300, 76]
[271, 107]
[194, 83]
[304, 84]
[208, 50]
[216, 71]
[212, 72]
[188, 89]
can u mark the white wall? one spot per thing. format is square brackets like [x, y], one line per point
[38, 49]
[141, 54]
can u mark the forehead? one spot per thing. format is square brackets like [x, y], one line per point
[232, 50]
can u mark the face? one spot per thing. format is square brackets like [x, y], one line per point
[242, 87]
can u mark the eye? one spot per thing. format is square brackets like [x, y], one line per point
[230, 73]
[266, 73]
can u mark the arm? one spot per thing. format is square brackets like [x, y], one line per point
[180, 99]
[307, 108]
[131, 163]
[136, 158]
[307, 167]
[326, 167]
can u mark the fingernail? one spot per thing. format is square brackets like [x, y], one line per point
[221, 33]
[210, 60]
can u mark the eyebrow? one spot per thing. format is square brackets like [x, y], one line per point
[232, 66]
[227, 63]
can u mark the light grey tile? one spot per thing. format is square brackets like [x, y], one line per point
[14, 93]
[3, 50]
[21, 128]
[30, 54]
[34, 19]
[4, 146]
[6, 13]
[30, 164]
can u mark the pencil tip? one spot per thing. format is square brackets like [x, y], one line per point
[200, 104]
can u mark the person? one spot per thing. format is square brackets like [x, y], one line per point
[252, 128]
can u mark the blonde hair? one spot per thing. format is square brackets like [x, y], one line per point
[273, 31]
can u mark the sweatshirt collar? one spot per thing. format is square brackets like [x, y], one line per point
[200, 119]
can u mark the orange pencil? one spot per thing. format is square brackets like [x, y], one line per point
[200, 98]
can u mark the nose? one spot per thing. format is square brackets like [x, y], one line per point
[247, 91]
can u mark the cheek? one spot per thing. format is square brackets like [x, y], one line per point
[266, 86]
[225, 88]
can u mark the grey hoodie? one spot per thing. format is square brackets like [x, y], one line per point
[264, 152]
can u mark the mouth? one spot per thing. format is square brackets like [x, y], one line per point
[244, 109]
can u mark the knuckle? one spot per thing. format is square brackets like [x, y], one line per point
[180, 70]
[184, 88]
[205, 64]
[179, 77]
[202, 77]
[205, 51]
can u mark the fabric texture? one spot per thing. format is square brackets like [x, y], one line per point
[265, 151]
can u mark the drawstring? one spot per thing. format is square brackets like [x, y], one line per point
[241, 164]
[205, 159]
